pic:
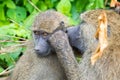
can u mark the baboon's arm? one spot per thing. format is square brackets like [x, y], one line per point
[59, 41]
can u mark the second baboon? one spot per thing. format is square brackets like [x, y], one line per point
[108, 66]
[32, 66]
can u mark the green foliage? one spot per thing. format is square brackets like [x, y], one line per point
[10, 4]
[64, 6]
[42, 6]
[7, 59]
[17, 16]
[2, 13]
[35, 1]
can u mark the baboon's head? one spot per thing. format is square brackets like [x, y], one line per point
[45, 24]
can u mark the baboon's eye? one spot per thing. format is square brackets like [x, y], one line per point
[36, 32]
[44, 33]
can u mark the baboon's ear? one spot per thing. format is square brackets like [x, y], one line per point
[62, 23]
[63, 27]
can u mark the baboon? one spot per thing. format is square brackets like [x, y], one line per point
[41, 66]
[108, 66]
[81, 37]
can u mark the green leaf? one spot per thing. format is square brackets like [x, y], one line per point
[99, 4]
[35, 1]
[49, 3]
[1, 69]
[8, 30]
[15, 55]
[22, 32]
[71, 21]
[10, 4]
[75, 16]
[42, 6]
[2, 14]
[29, 20]
[64, 6]
[14, 30]
[90, 6]
[29, 7]
[81, 5]
[95, 4]
[18, 14]
[10, 61]
[3, 63]
[72, 0]
[25, 2]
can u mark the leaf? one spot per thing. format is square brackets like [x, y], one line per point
[49, 3]
[2, 14]
[99, 4]
[29, 7]
[80, 5]
[42, 6]
[1, 69]
[10, 61]
[71, 21]
[64, 6]
[75, 15]
[10, 4]
[25, 2]
[7, 30]
[54, 1]
[95, 4]
[90, 6]
[35, 1]
[22, 32]
[3, 63]
[72, 0]
[18, 14]
[29, 20]
[15, 55]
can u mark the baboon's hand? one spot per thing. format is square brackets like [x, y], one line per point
[60, 43]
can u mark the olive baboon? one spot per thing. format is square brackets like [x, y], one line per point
[36, 67]
[86, 43]
[108, 66]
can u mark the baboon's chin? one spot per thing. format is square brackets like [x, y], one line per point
[45, 53]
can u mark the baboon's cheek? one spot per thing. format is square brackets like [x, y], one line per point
[42, 47]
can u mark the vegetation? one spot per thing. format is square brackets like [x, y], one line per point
[16, 17]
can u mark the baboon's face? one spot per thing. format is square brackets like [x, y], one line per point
[41, 40]
[42, 45]
[45, 24]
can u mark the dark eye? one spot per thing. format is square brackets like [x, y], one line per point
[44, 33]
[36, 32]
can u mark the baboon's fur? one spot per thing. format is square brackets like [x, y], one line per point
[5, 78]
[48, 21]
[34, 67]
[108, 66]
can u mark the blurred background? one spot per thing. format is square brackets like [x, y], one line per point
[17, 16]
